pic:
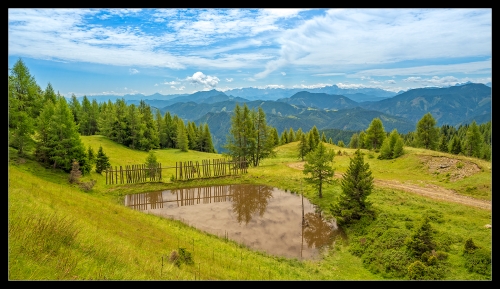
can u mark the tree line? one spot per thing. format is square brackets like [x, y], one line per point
[43, 124]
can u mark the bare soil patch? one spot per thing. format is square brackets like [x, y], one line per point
[428, 190]
[457, 169]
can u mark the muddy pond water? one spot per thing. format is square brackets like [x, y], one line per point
[262, 218]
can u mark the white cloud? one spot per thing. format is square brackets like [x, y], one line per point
[343, 38]
[206, 80]
[329, 74]
[283, 73]
[171, 83]
[177, 88]
[229, 79]
[467, 68]
[274, 86]
[133, 71]
[318, 85]
[433, 81]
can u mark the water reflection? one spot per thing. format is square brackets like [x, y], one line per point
[261, 217]
[252, 200]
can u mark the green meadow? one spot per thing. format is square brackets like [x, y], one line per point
[58, 231]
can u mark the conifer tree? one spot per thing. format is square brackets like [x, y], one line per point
[303, 146]
[375, 134]
[316, 137]
[263, 144]
[357, 185]
[354, 143]
[427, 133]
[291, 135]
[473, 141]
[455, 146]
[276, 137]
[241, 134]
[443, 144]
[182, 138]
[102, 161]
[392, 147]
[319, 166]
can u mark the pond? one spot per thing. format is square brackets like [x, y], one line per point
[261, 217]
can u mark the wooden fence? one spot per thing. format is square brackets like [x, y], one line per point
[183, 171]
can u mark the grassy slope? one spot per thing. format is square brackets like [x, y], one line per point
[109, 241]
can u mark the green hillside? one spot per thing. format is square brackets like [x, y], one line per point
[58, 231]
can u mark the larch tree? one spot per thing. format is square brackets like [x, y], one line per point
[303, 146]
[392, 147]
[375, 134]
[319, 167]
[354, 142]
[182, 138]
[24, 106]
[241, 134]
[473, 141]
[427, 134]
[263, 145]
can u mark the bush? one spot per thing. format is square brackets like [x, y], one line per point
[87, 186]
[416, 271]
[181, 257]
[479, 261]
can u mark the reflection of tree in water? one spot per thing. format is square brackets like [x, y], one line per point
[248, 200]
[155, 199]
[317, 232]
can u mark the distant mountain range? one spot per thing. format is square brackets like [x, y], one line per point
[328, 108]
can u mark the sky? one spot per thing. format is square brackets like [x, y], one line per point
[182, 51]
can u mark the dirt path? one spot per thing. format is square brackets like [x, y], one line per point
[431, 191]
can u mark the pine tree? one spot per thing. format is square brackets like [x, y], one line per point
[443, 144]
[263, 145]
[207, 140]
[303, 146]
[362, 140]
[89, 161]
[315, 134]
[319, 166]
[392, 147]
[182, 138]
[276, 137]
[473, 141]
[102, 161]
[340, 143]
[455, 146]
[375, 134]
[421, 240]
[427, 133]
[357, 185]
[62, 143]
[323, 137]
[241, 134]
[354, 143]
[24, 105]
[284, 137]
[151, 163]
[291, 135]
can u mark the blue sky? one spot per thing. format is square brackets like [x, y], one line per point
[176, 51]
